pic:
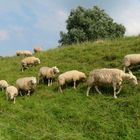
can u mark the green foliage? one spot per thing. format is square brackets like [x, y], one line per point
[90, 24]
[49, 115]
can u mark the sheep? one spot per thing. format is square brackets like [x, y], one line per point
[27, 53]
[112, 77]
[11, 93]
[19, 53]
[131, 59]
[23, 52]
[27, 84]
[3, 84]
[47, 72]
[69, 76]
[29, 61]
[37, 49]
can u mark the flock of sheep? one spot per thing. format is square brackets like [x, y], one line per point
[98, 77]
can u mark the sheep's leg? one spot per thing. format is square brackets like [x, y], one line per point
[14, 100]
[28, 93]
[22, 69]
[124, 68]
[60, 89]
[88, 89]
[74, 86]
[49, 81]
[42, 79]
[38, 79]
[20, 93]
[7, 97]
[96, 87]
[119, 90]
[114, 87]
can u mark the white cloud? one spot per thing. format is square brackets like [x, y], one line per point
[131, 20]
[4, 35]
[128, 14]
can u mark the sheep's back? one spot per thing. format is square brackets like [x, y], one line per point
[11, 89]
[69, 75]
[22, 83]
[105, 76]
[132, 58]
[44, 70]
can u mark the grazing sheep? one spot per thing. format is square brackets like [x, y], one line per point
[48, 73]
[23, 52]
[19, 53]
[69, 76]
[11, 93]
[131, 59]
[112, 77]
[27, 53]
[29, 61]
[37, 49]
[27, 84]
[3, 84]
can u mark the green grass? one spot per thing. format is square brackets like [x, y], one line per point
[49, 115]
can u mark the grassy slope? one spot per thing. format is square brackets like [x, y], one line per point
[48, 114]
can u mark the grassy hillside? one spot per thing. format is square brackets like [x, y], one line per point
[47, 114]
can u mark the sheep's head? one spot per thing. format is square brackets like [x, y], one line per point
[83, 76]
[37, 61]
[55, 69]
[33, 81]
[12, 97]
[133, 78]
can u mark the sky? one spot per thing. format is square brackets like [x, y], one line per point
[25, 24]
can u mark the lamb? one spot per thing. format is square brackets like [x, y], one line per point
[69, 76]
[3, 84]
[131, 59]
[48, 73]
[37, 49]
[29, 61]
[11, 93]
[114, 77]
[27, 84]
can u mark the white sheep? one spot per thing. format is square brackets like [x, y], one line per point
[27, 84]
[23, 52]
[29, 61]
[70, 76]
[131, 59]
[11, 93]
[37, 49]
[19, 52]
[48, 73]
[3, 84]
[27, 53]
[114, 77]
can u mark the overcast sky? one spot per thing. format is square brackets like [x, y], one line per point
[27, 23]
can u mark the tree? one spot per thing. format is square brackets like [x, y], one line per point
[90, 24]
